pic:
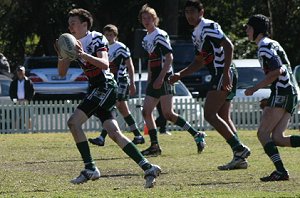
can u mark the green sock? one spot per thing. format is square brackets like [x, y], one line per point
[153, 136]
[234, 143]
[131, 150]
[103, 134]
[236, 135]
[295, 140]
[84, 150]
[186, 126]
[132, 125]
[272, 151]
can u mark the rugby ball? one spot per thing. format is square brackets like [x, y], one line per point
[67, 46]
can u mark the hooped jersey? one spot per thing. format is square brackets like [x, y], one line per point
[207, 37]
[271, 57]
[118, 53]
[157, 44]
[92, 43]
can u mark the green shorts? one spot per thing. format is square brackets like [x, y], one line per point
[165, 89]
[287, 102]
[216, 82]
[123, 89]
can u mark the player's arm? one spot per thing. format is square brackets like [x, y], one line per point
[270, 77]
[195, 65]
[166, 67]
[130, 68]
[63, 66]
[100, 61]
[228, 54]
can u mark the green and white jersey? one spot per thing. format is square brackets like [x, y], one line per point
[118, 53]
[157, 44]
[207, 37]
[271, 57]
[92, 43]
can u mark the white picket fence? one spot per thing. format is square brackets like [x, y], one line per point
[51, 116]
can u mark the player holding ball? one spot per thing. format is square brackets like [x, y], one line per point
[91, 49]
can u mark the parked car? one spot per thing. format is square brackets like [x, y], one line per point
[4, 89]
[43, 73]
[183, 53]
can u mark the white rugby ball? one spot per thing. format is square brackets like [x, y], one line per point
[67, 46]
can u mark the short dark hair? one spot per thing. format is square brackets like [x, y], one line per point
[194, 3]
[111, 28]
[84, 16]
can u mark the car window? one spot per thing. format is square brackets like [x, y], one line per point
[4, 87]
[45, 62]
[249, 76]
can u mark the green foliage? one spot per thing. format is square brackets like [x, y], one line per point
[41, 165]
[23, 20]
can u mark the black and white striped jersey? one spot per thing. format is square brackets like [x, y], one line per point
[92, 43]
[207, 37]
[118, 53]
[157, 44]
[271, 57]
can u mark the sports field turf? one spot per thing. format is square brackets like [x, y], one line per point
[41, 165]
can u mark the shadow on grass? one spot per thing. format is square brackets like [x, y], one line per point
[73, 160]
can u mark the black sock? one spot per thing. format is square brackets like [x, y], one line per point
[295, 140]
[235, 144]
[132, 125]
[236, 135]
[84, 150]
[186, 126]
[131, 150]
[272, 151]
[153, 136]
[104, 133]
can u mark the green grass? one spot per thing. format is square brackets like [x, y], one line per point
[41, 165]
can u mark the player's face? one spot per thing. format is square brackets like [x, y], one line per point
[20, 74]
[249, 31]
[148, 21]
[111, 37]
[193, 15]
[76, 27]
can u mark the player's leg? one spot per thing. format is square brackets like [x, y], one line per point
[270, 119]
[114, 132]
[90, 172]
[124, 110]
[167, 109]
[237, 147]
[161, 121]
[148, 107]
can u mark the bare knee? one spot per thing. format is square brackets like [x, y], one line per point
[169, 116]
[277, 139]
[263, 137]
[72, 123]
[210, 117]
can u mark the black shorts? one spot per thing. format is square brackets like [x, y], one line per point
[123, 89]
[216, 82]
[165, 89]
[100, 103]
[287, 102]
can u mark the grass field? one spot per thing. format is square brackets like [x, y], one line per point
[41, 165]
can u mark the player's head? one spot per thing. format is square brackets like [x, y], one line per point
[148, 16]
[80, 20]
[193, 10]
[111, 32]
[260, 25]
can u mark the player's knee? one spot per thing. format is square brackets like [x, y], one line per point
[72, 123]
[210, 117]
[277, 139]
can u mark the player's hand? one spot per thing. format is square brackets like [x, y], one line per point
[79, 49]
[250, 91]
[157, 83]
[174, 78]
[227, 86]
[132, 89]
[56, 48]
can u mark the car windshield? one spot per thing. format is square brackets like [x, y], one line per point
[180, 89]
[4, 87]
[45, 62]
[249, 76]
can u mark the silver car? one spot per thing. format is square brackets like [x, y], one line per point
[43, 72]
